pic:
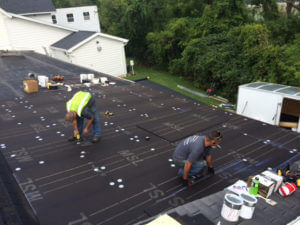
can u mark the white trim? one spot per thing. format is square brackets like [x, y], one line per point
[11, 15]
[5, 13]
[36, 13]
[125, 41]
[59, 49]
[81, 103]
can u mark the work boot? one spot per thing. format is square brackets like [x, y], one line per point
[96, 139]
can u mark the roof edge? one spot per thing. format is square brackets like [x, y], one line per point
[41, 22]
[5, 13]
[125, 41]
[36, 13]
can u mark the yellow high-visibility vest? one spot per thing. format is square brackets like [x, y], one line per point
[78, 102]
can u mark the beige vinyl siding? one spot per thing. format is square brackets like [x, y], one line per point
[27, 35]
[110, 60]
[59, 55]
[4, 41]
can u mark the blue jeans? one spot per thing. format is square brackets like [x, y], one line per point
[196, 167]
[95, 125]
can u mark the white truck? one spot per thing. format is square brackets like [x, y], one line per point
[274, 104]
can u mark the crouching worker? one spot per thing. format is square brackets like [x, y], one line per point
[80, 106]
[193, 157]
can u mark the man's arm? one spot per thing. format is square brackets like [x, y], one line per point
[187, 168]
[74, 122]
[86, 130]
[208, 159]
[210, 168]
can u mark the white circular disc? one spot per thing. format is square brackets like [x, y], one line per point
[119, 180]
[102, 167]
[170, 160]
[82, 152]
[18, 169]
[40, 139]
[37, 137]
[172, 165]
[58, 132]
[121, 186]
[81, 156]
[41, 162]
[245, 160]
[152, 149]
[62, 135]
[96, 169]
[13, 155]
[111, 183]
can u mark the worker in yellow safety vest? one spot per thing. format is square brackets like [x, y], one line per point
[82, 105]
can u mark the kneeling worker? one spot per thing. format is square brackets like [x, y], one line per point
[82, 105]
[192, 155]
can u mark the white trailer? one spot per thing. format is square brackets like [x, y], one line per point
[274, 104]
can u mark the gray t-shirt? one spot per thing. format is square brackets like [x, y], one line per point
[192, 149]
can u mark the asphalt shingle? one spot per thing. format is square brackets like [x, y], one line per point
[27, 6]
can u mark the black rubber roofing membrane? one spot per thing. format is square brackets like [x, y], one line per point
[124, 178]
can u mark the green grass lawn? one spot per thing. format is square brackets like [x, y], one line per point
[166, 79]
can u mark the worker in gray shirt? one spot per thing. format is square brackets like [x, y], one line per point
[192, 155]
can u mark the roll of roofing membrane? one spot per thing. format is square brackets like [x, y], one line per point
[231, 207]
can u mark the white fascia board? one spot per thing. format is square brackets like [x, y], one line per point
[36, 13]
[124, 41]
[5, 13]
[41, 22]
[59, 49]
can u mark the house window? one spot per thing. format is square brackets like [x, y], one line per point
[54, 21]
[86, 16]
[70, 17]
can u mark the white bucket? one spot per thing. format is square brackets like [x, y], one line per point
[248, 207]
[83, 77]
[90, 76]
[103, 79]
[43, 80]
[231, 207]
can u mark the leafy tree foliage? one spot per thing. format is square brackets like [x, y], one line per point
[209, 42]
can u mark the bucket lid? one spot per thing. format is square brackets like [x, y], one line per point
[248, 199]
[233, 201]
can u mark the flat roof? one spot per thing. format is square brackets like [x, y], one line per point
[130, 175]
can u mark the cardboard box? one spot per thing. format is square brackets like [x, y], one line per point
[266, 186]
[30, 86]
[238, 187]
[274, 177]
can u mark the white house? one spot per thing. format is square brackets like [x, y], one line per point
[25, 28]
[82, 18]
[96, 51]
[274, 104]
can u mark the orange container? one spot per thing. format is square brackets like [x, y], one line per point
[30, 86]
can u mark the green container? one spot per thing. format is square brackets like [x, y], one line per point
[254, 186]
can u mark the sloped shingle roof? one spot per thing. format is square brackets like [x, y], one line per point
[73, 39]
[27, 6]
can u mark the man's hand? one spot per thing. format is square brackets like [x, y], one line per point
[85, 131]
[76, 132]
[185, 182]
[211, 170]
